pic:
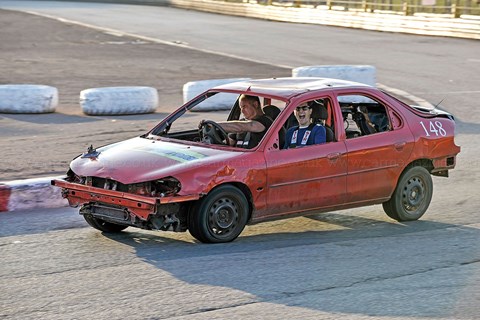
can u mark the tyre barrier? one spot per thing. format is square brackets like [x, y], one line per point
[28, 98]
[219, 102]
[30, 194]
[358, 73]
[118, 100]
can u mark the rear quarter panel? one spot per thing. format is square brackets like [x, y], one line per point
[434, 139]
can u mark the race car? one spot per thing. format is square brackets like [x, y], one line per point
[185, 174]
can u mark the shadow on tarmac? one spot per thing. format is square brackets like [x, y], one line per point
[359, 266]
[288, 268]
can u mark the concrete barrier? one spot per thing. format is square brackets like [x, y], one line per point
[358, 73]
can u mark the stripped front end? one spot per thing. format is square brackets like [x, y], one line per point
[151, 205]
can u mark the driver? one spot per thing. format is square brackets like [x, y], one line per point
[249, 131]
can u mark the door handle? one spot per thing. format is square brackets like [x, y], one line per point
[333, 156]
[400, 145]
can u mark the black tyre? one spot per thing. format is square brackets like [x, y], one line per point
[412, 196]
[102, 225]
[219, 217]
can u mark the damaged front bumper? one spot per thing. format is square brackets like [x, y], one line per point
[158, 213]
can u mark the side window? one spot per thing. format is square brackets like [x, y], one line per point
[363, 115]
[310, 123]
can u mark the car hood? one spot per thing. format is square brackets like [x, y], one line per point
[139, 159]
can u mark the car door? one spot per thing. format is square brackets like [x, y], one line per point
[375, 160]
[305, 178]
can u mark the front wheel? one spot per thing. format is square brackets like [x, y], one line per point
[102, 225]
[220, 217]
[412, 196]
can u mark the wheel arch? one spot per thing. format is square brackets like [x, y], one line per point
[207, 229]
[426, 163]
[244, 189]
[413, 193]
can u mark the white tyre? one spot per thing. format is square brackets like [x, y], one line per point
[119, 100]
[27, 98]
[358, 73]
[218, 102]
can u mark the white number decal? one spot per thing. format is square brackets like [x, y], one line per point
[442, 131]
[434, 127]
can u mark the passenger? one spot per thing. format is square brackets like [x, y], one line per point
[249, 131]
[306, 133]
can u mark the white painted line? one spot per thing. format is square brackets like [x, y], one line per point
[119, 33]
[450, 92]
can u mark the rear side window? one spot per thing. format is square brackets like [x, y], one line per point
[363, 115]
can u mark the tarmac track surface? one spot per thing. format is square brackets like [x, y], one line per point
[353, 264]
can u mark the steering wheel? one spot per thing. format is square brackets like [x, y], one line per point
[212, 133]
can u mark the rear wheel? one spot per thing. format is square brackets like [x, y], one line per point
[412, 196]
[102, 225]
[220, 217]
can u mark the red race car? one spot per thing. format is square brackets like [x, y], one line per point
[270, 149]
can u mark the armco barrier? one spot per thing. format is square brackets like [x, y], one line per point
[422, 25]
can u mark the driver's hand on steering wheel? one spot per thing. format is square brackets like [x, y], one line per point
[203, 124]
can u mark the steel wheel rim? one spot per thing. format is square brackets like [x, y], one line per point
[413, 195]
[223, 217]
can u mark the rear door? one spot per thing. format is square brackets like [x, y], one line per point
[375, 158]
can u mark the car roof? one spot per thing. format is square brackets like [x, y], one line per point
[287, 87]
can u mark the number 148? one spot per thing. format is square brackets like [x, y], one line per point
[434, 127]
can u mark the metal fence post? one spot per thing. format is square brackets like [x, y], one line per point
[406, 9]
[455, 12]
